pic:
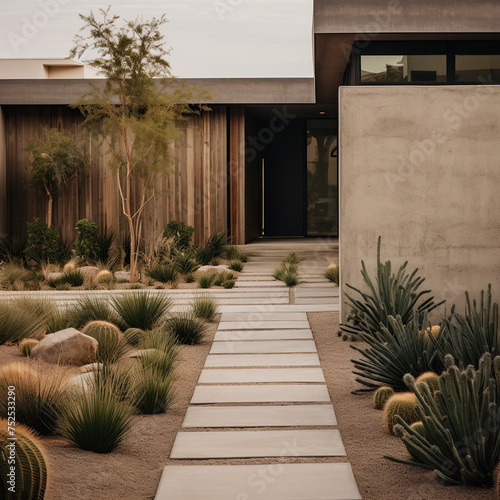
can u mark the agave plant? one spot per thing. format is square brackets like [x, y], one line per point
[395, 351]
[461, 443]
[391, 294]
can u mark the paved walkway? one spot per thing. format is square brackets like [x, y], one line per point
[262, 394]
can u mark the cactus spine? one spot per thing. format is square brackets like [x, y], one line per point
[381, 395]
[403, 405]
[110, 338]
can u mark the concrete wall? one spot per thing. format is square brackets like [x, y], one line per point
[3, 177]
[420, 166]
[403, 16]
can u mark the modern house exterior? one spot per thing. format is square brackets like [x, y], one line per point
[397, 134]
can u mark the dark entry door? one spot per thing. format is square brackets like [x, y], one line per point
[284, 182]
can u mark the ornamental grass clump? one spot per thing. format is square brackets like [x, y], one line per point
[133, 335]
[214, 248]
[389, 295]
[204, 307]
[236, 265]
[17, 324]
[461, 422]
[165, 273]
[39, 394]
[153, 392]
[27, 456]
[111, 342]
[161, 350]
[206, 280]
[187, 328]
[92, 309]
[288, 270]
[332, 273]
[142, 309]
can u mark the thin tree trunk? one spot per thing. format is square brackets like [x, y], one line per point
[49, 211]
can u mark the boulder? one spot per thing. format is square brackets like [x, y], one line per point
[79, 383]
[221, 267]
[122, 276]
[91, 367]
[67, 346]
[91, 271]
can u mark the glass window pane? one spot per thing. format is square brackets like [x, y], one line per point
[475, 68]
[403, 69]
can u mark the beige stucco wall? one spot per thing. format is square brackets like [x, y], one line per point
[3, 178]
[420, 166]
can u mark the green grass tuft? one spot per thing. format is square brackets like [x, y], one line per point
[204, 307]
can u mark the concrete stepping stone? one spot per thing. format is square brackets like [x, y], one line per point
[263, 482]
[250, 284]
[333, 291]
[260, 416]
[332, 304]
[316, 300]
[305, 334]
[246, 360]
[257, 315]
[263, 325]
[263, 347]
[255, 444]
[262, 375]
[213, 394]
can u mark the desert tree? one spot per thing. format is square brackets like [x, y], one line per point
[55, 159]
[139, 110]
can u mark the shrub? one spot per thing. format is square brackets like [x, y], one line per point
[105, 277]
[381, 395]
[73, 278]
[392, 354]
[229, 284]
[222, 277]
[187, 328]
[389, 295]
[332, 274]
[92, 309]
[17, 324]
[205, 280]
[181, 233]
[16, 278]
[97, 420]
[403, 405]
[462, 424]
[133, 335]
[204, 307]
[39, 395]
[236, 265]
[141, 309]
[111, 341]
[214, 248]
[27, 345]
[166, 273]
[43, 243]
[468, 337]
[87, 243]
[185, 262]
[153, 393]
[30, 464]
[12, 249]
[104, 242]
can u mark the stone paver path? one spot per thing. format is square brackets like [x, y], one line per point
[262, 394]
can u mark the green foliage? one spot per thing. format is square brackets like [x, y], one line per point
[17, 323]
[73, 278]
[166, 273]
[288, 270]
[469, 336]
[187, 328]
[292, 258]
[153, 392]
[133, 335]
[43, 243]
[39, 395]
[104, 242]
[332, 274]
[181, 233]
[185, 262]
[97, 420]
[214, 248]
[236, 265]
[402, 405]
[12, 249]
[30, 464]
[27, 345]
[206, 279]
[162, 350]
[381, 395]
[189, 278]
[462, 424]
[204, 307]
[229, 284]
[389, 295]
[221, 277]
[391, 354]
[92, 309]
[87, 243]
[141, 309]
[111, 340]
[234, 253]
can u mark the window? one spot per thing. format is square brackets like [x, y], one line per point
[477, 68]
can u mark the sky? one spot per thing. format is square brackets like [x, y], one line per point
[208, 38]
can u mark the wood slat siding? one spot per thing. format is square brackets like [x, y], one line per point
[194, 191]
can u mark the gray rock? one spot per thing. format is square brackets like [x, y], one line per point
[221, 267]
[91, 271]
[67, 346]
[122, 276]
[91, 367]
[80, 383]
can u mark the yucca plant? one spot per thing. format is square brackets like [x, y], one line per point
[92, 309]
[165, 273]
[111, 341]
[186, 327]
[185, 262]
[142, 309]
[205, 280]
[461, 422]
[204, 306]
[97, 420]
[214, 248]
[104, 242]
[395, 351]
[391, 294]
[469, 336]
[39, 394]
[17, 324]
[30, 464]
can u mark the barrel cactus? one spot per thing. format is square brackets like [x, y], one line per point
[133, 335]
[381, 395]
[461, 422]
[105, 277]
[27, 457]
[110, 338]
[431, 379]
[27, 345]
[403, 405]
